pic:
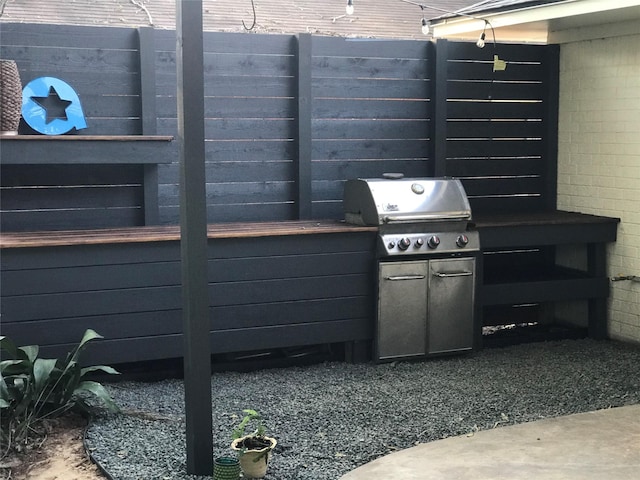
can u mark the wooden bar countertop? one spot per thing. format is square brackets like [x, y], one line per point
[555, 217]
[165, 233]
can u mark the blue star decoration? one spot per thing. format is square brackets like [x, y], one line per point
[51, 106]
[54, 105]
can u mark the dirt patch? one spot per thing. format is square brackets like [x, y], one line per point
[58, 454]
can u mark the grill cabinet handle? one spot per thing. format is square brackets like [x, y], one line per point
[452, 274]
[395, 278]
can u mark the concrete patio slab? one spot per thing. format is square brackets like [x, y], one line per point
[604, 444]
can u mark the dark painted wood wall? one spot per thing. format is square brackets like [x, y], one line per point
[265, 293]
[288, 120]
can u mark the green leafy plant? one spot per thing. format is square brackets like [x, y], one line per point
[33, 389]
[250, 416]
[255, 440]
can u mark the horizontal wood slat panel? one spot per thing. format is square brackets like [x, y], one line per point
[505, 204]
[169, 322]
[495, 110]
[228, 171]
[486, 89]
[494, 167]
[221, 42]
[494, 148]
[76, 60]
[503, 186]
[397, 88]
[170, 346]
[231, 85]
[378, 130]
[54, 175]
[335, 171]
[254, 107]
[220, 194]
[369, 47]
[150, 299]
[370, 108]
[54, 198]
[79, 218]
[483, 70]
[386, 150]
[499, 129]
[89, 37]
[344, 67]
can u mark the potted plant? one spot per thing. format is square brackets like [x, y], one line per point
[254, 449]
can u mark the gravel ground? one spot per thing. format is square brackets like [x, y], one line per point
[333, 417]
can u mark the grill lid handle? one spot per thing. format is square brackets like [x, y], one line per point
[427, 216]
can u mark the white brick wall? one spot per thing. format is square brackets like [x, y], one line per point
[599, 156]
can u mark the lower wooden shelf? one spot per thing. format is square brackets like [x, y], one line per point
[542, 286]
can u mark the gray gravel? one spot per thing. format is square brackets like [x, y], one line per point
[333, 417]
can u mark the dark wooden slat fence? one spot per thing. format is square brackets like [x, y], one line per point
[288, 119]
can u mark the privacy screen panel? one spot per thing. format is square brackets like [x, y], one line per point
[371, 113]
[501, 129]
[249, 126]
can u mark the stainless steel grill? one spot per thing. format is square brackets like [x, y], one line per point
[426, 262]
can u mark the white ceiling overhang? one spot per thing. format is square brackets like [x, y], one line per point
[561, 22]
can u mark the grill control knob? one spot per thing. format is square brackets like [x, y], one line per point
[404, 243]
[462, 241]
[419, 242]
[433, 241]
[391, 245]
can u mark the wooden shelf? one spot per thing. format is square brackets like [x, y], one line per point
[105, 138]
[84, 149]
[558, 284]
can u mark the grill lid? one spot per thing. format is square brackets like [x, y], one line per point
[393, 200]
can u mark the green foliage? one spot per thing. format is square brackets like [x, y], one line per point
[33, 389]
[250, 416]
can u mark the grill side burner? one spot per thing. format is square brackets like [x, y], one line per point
[426, 263]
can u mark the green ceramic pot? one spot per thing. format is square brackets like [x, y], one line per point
[226, 468]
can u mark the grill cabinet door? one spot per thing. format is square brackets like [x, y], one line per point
[451, 298]
[402, 309]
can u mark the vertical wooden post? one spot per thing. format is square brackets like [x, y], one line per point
[303, 134]
[193, 234]
[550, 102]
[597, 307]
[439, 101]
[146, 45]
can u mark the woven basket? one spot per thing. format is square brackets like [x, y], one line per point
[10, 97]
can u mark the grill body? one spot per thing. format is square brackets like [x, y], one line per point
[426, 263]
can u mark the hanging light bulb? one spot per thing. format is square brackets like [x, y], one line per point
[349, 7]
[480, 42]
[425, 26]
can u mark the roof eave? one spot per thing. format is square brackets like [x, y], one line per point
[534, 15]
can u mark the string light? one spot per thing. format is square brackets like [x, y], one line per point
[425, 26]
[349, 8]
[480, 42]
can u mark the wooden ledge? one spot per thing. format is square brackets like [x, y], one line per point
[544, 228]
[87, 149]
[165, 233]
[105, 138]
[555, 217]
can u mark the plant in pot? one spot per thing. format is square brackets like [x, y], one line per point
[254, 449]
